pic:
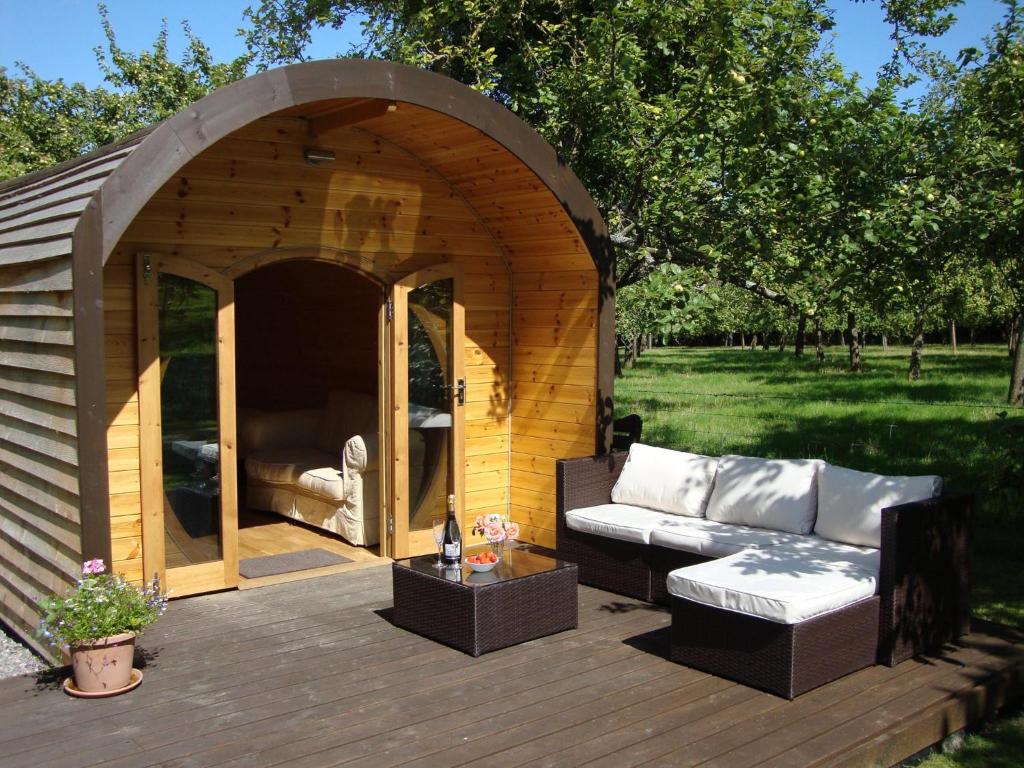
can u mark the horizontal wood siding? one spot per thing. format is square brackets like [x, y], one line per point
[40, 521]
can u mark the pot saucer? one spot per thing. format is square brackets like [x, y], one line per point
[71, 690]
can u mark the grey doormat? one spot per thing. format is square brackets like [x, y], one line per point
[272, 565]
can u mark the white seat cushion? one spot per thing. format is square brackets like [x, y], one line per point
[850, 503]
[712, 539]
[323, 481]
[766, 493]
[665, 480]
[786, 584]
[616, 521]
[285, 465]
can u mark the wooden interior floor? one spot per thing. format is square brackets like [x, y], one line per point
[313, 674]
[264, 533]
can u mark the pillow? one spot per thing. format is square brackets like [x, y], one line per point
[668, 481]
[779, 494]
[850, 503]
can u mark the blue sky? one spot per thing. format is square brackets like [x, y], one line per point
[57, 37]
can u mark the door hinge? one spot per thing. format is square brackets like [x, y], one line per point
[389, 309]
[147, 269]
[391, 523]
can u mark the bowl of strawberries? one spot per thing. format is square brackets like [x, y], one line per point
[482, 562]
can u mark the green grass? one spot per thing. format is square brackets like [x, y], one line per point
[762, 403]
[998, 745]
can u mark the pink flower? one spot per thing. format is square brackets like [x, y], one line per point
[479, 522]
[494, 533]
[93, 566]
[512, 530]
[494, 519]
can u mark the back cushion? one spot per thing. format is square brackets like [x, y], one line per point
[850, 503]
[668, 481]
[779, 494]
[347, 414]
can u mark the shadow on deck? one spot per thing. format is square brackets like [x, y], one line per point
[312, 673]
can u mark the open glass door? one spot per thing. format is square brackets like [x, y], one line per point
[187, 425]
[428, 392]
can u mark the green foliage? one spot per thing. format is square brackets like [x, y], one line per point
[100, 605]
[45, 122]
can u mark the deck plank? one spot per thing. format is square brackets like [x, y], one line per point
[311, 674]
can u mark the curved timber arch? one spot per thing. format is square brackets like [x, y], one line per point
[362, 265]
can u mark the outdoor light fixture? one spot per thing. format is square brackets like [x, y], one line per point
[317, 156]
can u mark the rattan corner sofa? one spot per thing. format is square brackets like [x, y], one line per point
[782, 575]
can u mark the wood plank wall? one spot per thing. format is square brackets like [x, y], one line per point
[40, 523]
[253, 191]
[554, 315]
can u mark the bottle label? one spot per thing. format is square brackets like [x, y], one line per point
[453, 551]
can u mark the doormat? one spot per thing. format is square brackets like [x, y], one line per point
[272, 565]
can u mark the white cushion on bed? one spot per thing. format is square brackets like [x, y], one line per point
[616, 521]
[666, 480]
[780, 494]
[850, 503]
[712, 539]
[787, 584]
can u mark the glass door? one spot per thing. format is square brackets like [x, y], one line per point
[187, 425]
[428, 392]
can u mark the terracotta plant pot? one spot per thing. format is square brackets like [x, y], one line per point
[105, 665]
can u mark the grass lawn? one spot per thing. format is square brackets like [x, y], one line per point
[998, 745]
[763, 403]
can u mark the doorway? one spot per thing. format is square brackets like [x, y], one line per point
[266, 395]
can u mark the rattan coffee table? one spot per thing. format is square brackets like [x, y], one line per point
[526, 596]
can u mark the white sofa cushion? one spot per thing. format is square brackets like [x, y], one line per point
[284, 465]
[766, 493]
[616, 521]
[326, 482]
[850, 503]
[787, 584]
[712, 539]
[665, 480]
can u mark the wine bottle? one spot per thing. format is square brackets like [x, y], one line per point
[452, 536]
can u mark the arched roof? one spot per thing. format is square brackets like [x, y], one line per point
[58, 226]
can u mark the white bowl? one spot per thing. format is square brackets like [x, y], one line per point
[482, 567]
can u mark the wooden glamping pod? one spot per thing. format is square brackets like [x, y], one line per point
[196, 323]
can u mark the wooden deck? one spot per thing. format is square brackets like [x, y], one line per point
[311, 673]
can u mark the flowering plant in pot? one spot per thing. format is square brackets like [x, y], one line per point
[497, 529]
[97, 621]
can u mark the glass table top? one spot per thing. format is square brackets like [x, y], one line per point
[515, 564]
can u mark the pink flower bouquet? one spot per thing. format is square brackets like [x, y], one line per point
[495, 528]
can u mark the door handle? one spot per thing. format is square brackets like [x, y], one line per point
[460, 392]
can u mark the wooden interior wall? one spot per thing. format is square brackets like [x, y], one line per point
[303, 329]
[253, 191]
[554, 313]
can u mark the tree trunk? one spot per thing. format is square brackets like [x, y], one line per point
[743, 340]
[885, 343]
[764, 341]
[636, 351]
[801, 330]
[753, 341]
[1016, 393]
[782, 342]
[970, 333]
[820, 338]
[851, 327]
[618, 361]
[917, 347]
[1013, 334]
[952, 335]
